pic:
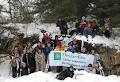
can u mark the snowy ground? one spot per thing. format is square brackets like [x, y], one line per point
[80, 76]
[112, 43]
[5, 69]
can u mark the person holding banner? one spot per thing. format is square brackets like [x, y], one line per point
[59, 46]
[73, 46]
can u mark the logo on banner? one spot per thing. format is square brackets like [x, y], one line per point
[57, 55]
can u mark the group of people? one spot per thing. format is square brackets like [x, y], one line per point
[34, 56]
[84, 26]
[24, 64]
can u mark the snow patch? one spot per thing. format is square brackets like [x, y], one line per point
[81, 76]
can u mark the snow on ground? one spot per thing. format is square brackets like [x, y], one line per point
[80, 76]
[5, 69]
[101, 40]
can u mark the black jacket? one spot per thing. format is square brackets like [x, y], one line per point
[29, 59]
[64, 74]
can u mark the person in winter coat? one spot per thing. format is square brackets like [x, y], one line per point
[107, 33]
[54, 42]
[59, 46]
[29, 60]
[15, 52]
[15, 57]
[83, 24]
[65, 27]
[40, 61]
[39, 57]
[59, 23]
[47, 49]
[95, 28]
[69, 72]
[62, 24]
[87, 29]
[73, 46]
[46, 37]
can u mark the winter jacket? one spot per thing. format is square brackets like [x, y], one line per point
[107, 34]
[83, 24]
[29, 59]
[46, 37]
[64, 74]
[47, 50]
[40, 61]
[72, 47]
[54, 43]
[62, 24]
[59, 47]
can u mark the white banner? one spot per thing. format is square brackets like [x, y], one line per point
[77, 60]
